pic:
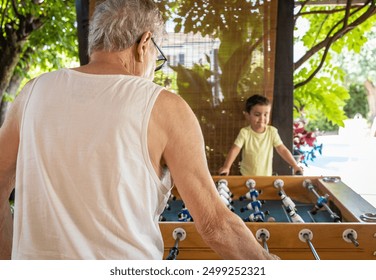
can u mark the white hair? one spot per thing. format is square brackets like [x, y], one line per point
[118, 24]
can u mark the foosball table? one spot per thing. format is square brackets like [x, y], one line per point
[294, 217]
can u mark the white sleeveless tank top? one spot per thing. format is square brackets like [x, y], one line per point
[85, 184]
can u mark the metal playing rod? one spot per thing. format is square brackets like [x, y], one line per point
[305, 235]
[321, 201]
[263, 235]
[353, 240]
[332, 214]
[255, 204]
[312, 249]
[179, 234]
[287, 202]
[264, 243]
[350, 235]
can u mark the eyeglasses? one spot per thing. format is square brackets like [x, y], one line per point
[161, 60]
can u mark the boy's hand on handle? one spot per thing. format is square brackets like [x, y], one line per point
[298, 170]
[224, 171]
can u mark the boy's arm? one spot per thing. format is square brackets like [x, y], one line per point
[231, 156]
[288, 157]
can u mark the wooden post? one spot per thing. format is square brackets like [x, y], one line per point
[282, 111]
[82, 7]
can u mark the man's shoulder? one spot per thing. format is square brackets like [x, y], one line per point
[171, 100]
[173, 111]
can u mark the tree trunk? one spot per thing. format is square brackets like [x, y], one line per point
[12, 40]
[8, 62]
[12, 91]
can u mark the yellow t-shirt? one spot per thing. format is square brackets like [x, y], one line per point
[257, 150]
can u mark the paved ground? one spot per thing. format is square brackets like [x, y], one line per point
[352, 156]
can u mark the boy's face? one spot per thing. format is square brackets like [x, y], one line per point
[258, 117]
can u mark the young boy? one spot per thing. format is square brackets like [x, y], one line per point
[257, 141]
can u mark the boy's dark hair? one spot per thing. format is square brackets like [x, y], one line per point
[255, 100]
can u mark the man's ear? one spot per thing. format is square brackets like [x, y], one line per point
[143, 46]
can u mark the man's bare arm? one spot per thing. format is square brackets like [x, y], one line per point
[9, 140]
[184, 153]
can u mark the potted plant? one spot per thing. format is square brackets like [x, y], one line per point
[305, 145]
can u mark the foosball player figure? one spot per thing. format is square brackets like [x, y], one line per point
[184, 216]
[257, 216]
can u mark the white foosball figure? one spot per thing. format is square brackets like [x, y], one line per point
[295, 217]
[287, 201]
[223, 184]
[225, 193]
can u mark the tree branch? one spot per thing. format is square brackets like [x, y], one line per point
[300, 11]
[328, 41]
[14, 5]
[4, 9]
[347, 14]
[315, 12]
[345, 29]
[318, 68]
